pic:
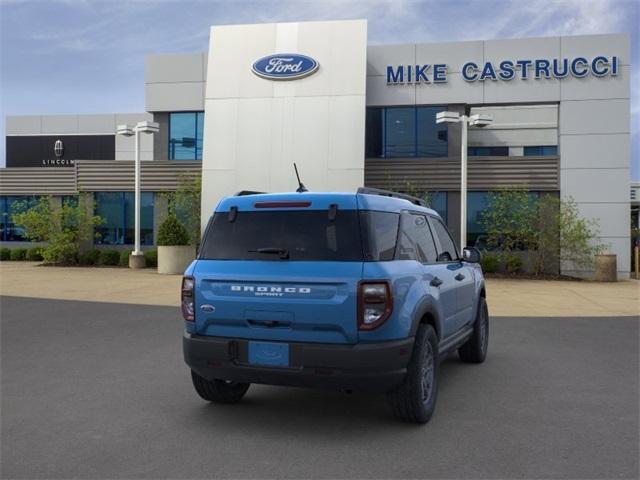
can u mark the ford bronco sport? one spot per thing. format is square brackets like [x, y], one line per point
[350, 291]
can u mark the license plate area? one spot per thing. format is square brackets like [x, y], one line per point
[269, 354]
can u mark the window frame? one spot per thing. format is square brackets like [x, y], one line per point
[403, 215]
[196, 115]
[416, 131]
[122, 227]
[436, 239]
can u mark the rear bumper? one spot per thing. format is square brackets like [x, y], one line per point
[370, 367]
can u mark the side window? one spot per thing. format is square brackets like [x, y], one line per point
[379, 234]
[447, 248]
[416, 242]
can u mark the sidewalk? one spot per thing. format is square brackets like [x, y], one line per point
[517, 298]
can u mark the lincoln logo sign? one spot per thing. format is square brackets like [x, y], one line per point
[506, 70]
[58, 148]
[285, 66]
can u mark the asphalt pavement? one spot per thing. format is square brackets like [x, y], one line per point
[99, 390]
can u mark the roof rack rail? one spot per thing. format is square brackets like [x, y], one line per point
[389, 193]
[242, 193]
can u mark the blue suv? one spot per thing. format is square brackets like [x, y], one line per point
[361, 291]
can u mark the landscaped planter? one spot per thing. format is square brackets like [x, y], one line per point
[606, 268]
[175, 259]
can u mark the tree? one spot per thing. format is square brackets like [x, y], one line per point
[579, 242]
[184, 203]
[509, 219]
[62, 227]
[172, 233]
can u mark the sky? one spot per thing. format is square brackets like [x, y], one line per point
[87, 56]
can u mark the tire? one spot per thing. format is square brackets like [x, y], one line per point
[415, 399]
[475, 349]
[219, 391]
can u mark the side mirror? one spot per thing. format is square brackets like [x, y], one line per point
[471, 255]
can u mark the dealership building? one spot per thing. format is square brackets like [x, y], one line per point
[349, 114]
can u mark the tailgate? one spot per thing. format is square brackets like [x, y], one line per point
[275, 300]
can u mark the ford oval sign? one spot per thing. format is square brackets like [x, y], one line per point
[285, 66]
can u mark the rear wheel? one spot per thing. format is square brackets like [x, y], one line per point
[475, 349]
[415, 399]
[219, 391]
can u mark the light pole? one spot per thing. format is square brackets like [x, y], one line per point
[478, 120]
[136, 259]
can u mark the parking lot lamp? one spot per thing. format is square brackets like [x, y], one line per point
[478, 120]
[136, 259]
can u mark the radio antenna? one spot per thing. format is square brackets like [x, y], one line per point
[301, 188]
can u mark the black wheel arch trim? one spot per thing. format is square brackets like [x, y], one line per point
[427, 309]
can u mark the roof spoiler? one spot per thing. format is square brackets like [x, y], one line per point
[242, 193]
[389, 193]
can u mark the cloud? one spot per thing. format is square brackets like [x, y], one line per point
[100, 45]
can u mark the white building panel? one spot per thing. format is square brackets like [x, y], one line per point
[590, 46]
[455, 90]
[220, 140]
[380, 56]
[100, 124]
[343, 151]
[594, 88]
[175, 97]
[175, 68]
[24, 125]
[513, 137]
[595, 151]
[613, 218]
[381, 94]
[594, 117]
[521, 49]
[597, 185]
[59, 124]
[276, 122]
[520, 91]
[453, 54]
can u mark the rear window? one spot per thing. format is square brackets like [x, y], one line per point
[304, 235]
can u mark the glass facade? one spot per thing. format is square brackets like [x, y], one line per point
[439, 202]
[117, 212]
[185, 135]
[488, 151]
[477, 203]
[541, 151]
[9, 231]
[401, 132]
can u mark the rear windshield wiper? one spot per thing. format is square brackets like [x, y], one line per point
[282, 252]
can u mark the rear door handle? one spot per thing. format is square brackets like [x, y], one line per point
[459, 277]
[436, 282]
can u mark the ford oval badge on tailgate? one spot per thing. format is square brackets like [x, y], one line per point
[285, 66]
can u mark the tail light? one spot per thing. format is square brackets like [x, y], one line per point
[375, 304]
[187, 300]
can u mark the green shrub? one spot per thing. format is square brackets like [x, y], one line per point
[109, 257]
[18, 253]
[151, 258]
[489, 262]
[62, 228]
[513, 263]
[5, 254]
[34, 254]
[89, 257]
[61, 254]
[172, 232]
[124, 258]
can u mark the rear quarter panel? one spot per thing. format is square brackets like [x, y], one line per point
[409, 298]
